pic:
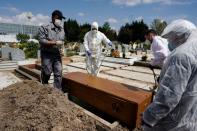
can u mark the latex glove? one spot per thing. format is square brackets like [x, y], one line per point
[110, 44]
[59, 42]
[88, 53]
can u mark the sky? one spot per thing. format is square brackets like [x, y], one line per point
[116, 12]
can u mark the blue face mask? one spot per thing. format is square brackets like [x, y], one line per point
[171, 46]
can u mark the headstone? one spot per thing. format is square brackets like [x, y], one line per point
[141, 45]
[6, 52]
[130, 47]
[17, 55]
[149, 51]
[82, 48]
[134, 46]
[138, 46]
[113, 46]
[126, 48]
[119, 48]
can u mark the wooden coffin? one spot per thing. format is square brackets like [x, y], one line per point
[117, 100]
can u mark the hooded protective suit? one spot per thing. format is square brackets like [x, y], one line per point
[93, 45]
[160, 51]
[175, 105]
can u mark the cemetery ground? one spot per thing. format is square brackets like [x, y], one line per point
[29, 105]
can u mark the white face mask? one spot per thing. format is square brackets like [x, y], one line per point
[58, 23]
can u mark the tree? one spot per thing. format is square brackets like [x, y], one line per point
[31, 49]
[139, 29]
[72, 30]
[22, 37]
[105, 27]
[132, 32]
[125, 34]
[110, 33]
[83, 30]
[158, 25]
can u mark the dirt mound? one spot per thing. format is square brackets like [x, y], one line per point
[30, 106]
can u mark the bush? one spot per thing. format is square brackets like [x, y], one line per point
[71, 53]
[147, 46]
[30, 49]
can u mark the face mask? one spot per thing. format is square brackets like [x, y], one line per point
[171, 46]
[94, 32]
[58, 23]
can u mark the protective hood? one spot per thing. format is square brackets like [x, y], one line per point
[94, 26]
[178, 31]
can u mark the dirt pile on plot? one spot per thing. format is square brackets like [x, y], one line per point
[30, 106]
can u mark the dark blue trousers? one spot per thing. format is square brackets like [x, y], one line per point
[49, 64]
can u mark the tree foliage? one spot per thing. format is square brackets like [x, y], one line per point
[158, 25]
[76, 32]
[22, 37]
[125, 33]
[139, 29]
[110, 33]
[83, 30]
[106, 26]
[72, 30]
[30, 49]
[132, 32]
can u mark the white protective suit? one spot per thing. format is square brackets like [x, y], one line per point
[160, 50]
[175, 105]
[93, 43]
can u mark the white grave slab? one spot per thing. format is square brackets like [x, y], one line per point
[7, 78]
[129, 61]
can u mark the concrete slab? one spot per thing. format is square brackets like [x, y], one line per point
[82, 65]
[77, 58]
[113, 65]
[7, 78]
[27, 62]
[67, 69]
[141, 69]
[129, 82]
[141, 84]
[118, 77]
[129, 61]
[140, 77]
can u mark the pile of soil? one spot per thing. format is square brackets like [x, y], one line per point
[30, 106]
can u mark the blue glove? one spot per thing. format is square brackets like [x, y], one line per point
[110, 44]
[88, 53]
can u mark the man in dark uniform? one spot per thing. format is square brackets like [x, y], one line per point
[51, 39]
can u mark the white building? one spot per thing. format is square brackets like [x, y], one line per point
[8, 39]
